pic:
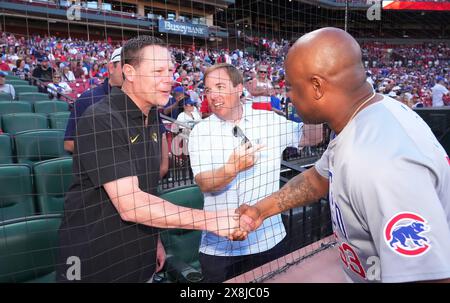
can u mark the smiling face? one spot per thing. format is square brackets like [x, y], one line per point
[223, 97]
[151, 78]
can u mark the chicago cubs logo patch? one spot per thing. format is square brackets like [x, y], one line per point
[403, 234]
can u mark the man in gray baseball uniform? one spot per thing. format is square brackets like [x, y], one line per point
[386, 175]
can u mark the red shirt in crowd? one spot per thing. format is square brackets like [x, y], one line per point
[4, 67]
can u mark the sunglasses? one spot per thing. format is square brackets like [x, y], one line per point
[238, 133]
[262, 72]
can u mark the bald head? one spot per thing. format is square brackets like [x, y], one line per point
[330, 53]
[326, 76]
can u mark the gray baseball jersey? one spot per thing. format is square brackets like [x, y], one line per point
[389, 196]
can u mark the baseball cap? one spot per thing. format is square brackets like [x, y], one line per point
[188, 101]
[42, 59]
[440, 78]
[116, 55]
[392, 95]
[3, 74]
[178, 89]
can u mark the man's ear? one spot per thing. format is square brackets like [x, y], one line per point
[129, 72]
[240, 89]
[318, 83]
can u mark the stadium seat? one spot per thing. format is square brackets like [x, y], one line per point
[38, 145]
[59, 120]
[182, 245]
[14, 123]
[6, 154]
[8, 107]
[33, 97]
[47, 107]
[16, 192]
[28, 249]
[15, 82]
[5, 97]
[12, 77]
[20, 89]
[52, 179]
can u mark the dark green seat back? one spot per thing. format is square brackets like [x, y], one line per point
[59, 120]
[33, 97]
[11, 107]
[28, 248]
[47, 107]
[15, 82]
[16, 191]
[14, 123]
[39, 145]
[25, 89]
[5, 97]
[52, 179]
[184, 243]
[6, 154]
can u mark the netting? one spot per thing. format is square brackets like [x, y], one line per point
[106, 152]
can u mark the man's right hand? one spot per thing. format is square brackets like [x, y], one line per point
[243, 157]
[249, 220]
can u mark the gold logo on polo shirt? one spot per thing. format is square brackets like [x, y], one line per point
[155, 137]
[133, 139]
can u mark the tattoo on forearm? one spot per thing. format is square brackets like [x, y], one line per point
[299, 191]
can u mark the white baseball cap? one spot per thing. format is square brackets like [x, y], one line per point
[392, 95]
[115, 57]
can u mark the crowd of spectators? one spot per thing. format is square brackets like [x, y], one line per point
[405, 72]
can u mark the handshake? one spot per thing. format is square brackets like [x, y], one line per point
[235, 225]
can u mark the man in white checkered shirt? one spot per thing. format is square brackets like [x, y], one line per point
[235, 156]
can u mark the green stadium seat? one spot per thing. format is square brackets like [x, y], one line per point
[15, 82]
[14, 123]
[12, 77]
[6, 154]
[47, 107]
[59, 120]
[8, 107]
[28, 249]
[52, 179]
[38, 145]
[16, 192]
[33, 97]
[5, 97]
[182, 245]
[20, 89]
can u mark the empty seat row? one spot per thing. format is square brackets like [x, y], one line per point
[32, 146]
[25, 96]
[15, 82]
[14, 123]
[29, 190]
[45, 107]
[25, 89]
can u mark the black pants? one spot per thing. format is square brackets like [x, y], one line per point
[217, 269]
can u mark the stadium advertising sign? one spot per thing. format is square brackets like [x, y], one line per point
[429, 5]
[182, 28]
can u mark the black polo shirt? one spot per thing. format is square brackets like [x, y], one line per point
[112, 142]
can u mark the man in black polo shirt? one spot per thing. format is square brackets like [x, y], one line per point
[109, 231]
